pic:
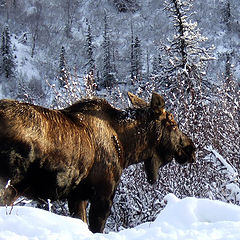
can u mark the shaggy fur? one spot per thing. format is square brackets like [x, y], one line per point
[79, 153]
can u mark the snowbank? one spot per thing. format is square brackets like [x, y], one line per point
[189, 218]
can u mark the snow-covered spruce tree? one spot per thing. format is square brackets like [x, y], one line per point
[89, 78]
[63, 73]
[137, 58]
[89, 49]
[227, 14]
[7, 60]
[132, 53]
[108, 75]
[156, 65]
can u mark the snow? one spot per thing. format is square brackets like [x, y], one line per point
[230, 168]
[31, 11]
[25, 64]
[181, 219]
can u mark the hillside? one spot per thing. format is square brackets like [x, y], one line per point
[40, 29]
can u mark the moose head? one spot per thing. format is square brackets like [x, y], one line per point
[169, 141]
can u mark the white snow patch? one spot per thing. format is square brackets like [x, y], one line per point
[24, 61]
[189, 218]
[31, 11]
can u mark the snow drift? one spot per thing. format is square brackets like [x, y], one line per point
[189, 218]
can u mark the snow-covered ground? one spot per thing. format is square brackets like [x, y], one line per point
[189, 218]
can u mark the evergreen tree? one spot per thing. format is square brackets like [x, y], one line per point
[157, 64]
[108, 76]
[90, 82]
[132, 53]
[63, 73]
[227, 15]
[89, 39]
[137, 59]
[2, 51]
[7, 61]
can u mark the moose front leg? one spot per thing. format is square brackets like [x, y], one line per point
[8, 195]
[99, 212]
[78, 209]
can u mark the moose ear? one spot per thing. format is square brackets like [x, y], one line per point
[157, 103]
[137, 101]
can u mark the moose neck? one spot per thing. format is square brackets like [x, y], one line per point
[134, 128]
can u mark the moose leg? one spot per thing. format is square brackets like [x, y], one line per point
[78, 209]
[98, 214]
[8, 196]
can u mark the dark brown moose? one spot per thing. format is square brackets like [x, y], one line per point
[78, 153]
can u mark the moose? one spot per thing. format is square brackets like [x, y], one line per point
[78, 153]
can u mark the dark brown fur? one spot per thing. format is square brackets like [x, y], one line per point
[78, 153]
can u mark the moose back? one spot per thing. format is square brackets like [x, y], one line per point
[78, 153]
